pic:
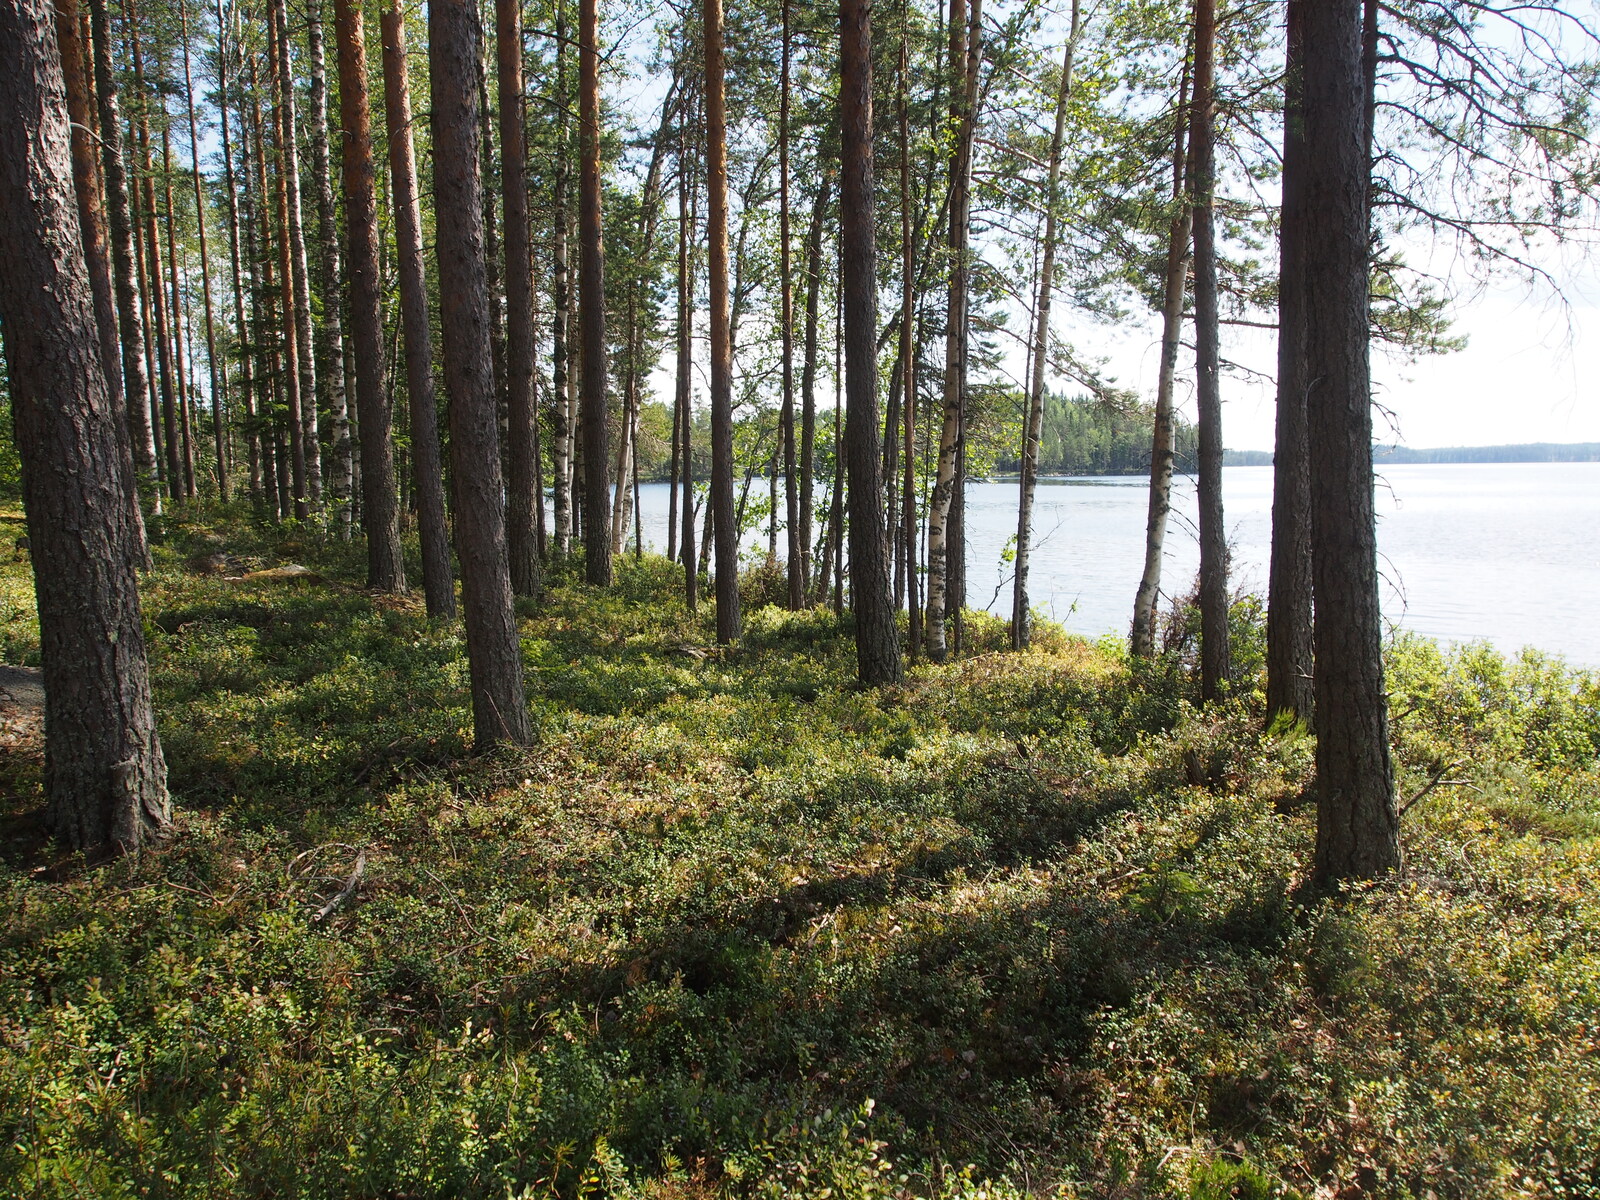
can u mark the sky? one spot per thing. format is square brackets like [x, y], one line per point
[1530, 372]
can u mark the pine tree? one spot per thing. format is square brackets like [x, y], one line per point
[499, 709]
[105, 779]
[386, 569]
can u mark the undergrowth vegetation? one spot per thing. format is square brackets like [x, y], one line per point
[1028, 924]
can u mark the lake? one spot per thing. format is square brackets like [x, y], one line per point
[1508, 552]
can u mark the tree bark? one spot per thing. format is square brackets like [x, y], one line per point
[877, 639]
[386, 570]
[330, 330]
[808, 378]
[1161, 445]
[791, 494]
[295, 240]
[1358, 834]
[521, 421]
[491, 248]
[230, 189]
[218, 365]
[295, 346]
[1214, 656]
[1289, 669]
[726, 531]
[156, 326]
[1021, 618]
[622, 493]
[686, 231]
[908, 350]
[260, 255]
[156, 362]
[499, 708]
[104, 777]
[176, 314]
[561, 296]
[253, 252]
[840, 468]
[592, 306]
[962, 94]
[70, 31]
[86, 189]
[135, 379]
[438, 585]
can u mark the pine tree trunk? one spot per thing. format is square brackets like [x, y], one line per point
[86, 190]
[592, 305]
[1021, 618]
[294, 237]
[707, 528]
[638, 516]
[273, 340]
[259, 255]
[386, 571]
[176, 314]
[1214, 656]
[727, 532]
[808, 379]
[908, 349]
[622, 492]
[330, 330]
[295, 347]
[104, 777]
[230, 189]
[218, 366]
[791, 493]
[877, 640]
[71, 30]
[147, 319]
[682, 398]
[561, 431]
[499, 707]
[574, 371]
[1290, 691]
[191, 435]
[1358, 829]
[1161, 446]
[135, 378]
[521, 420]
[940, 542]
[438, 584]
[840, 469]
[156, 325]
[491, 243]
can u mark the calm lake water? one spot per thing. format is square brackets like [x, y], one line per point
[1508, 552]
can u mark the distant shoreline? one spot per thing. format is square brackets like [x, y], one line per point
[1526, 452]
[1529, 452]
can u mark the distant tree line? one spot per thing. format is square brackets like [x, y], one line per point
[1086, 435]
[1527, 452]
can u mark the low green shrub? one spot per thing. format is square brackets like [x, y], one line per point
[1041, 908]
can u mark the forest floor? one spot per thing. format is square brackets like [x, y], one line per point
[1028, 924]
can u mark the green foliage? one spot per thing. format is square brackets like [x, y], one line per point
[1219, 1179]
[1085, 435]
[1038, 908]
